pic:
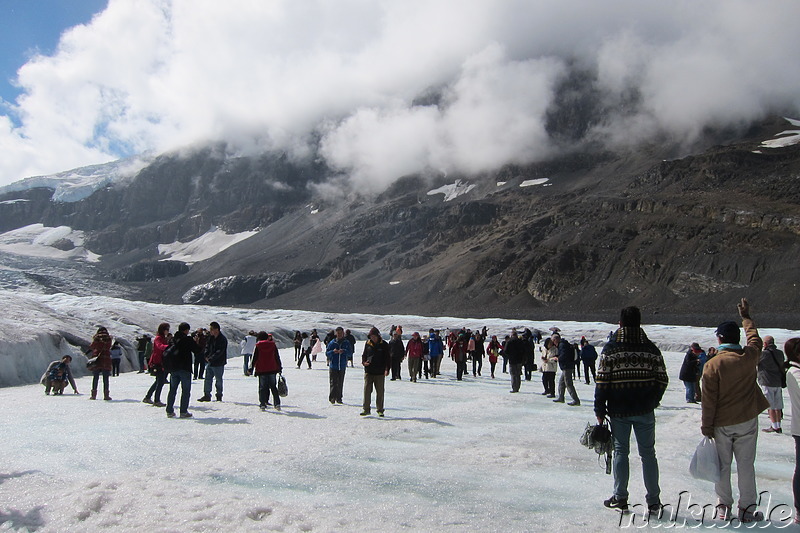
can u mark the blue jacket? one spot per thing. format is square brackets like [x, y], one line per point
[588, 354]
[435, 346]
[338, 361]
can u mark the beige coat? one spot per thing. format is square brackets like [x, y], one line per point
[730, 392]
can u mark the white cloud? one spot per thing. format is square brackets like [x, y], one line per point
[160, 74]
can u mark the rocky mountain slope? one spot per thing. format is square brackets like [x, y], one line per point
[578, 236]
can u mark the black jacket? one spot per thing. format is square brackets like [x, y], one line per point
[689, 367]
[566, 355]
[396, 349]
[217, 350]
[516, 351]
[187, 347]
[378, 357]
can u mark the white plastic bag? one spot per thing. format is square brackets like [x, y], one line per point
[705, 461]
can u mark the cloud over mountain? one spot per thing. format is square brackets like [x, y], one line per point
[393, 87]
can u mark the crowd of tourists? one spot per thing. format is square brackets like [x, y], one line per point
[733, 382]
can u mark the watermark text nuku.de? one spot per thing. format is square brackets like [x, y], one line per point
[684, 513]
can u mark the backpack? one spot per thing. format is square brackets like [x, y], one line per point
[169, 357]
[780, 366]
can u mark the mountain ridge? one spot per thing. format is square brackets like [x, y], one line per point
[682, 237]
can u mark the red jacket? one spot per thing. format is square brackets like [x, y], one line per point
[266, 359]
[101, 348]
[414, 348]
[160, 344]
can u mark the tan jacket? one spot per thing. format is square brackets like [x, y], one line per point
[730, 392]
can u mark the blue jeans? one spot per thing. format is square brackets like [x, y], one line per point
[689, 390]
[184, 379]
[96, 378]
[246, 357]
[213, 373]
[158, 384]
[644, 426]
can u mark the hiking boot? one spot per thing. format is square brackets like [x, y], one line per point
[655, 509]
[363, 413]
[723, 512]
[747, 516]
[380, 414]
[159, 404]
[614, 503]
[186, 415]
[94, 394]
[558, 400]
[147, 400]
[575, 403]
[170, 415]
[277, 407]
[106, 396]
[219, 397]
[205, 398]
[263, 407]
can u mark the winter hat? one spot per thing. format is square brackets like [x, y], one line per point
[729, 331]
[374, 331]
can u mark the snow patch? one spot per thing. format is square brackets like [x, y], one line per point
[76, 184]
[501, 183]
[452, 191]
[531, 183]
[204, 247]
[784, 138]
[394, 283]
[37, 240]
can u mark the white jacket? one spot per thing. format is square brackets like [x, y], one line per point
[248, 345]
[793, 386]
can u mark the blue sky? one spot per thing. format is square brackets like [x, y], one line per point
[31, 26]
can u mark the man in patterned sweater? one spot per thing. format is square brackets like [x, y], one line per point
[630, 382]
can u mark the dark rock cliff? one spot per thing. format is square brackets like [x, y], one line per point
[683, 238]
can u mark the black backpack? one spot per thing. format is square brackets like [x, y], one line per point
[169, 357]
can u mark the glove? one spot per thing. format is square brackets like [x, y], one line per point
[707, 431]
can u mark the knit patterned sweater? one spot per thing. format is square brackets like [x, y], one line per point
[631, 376]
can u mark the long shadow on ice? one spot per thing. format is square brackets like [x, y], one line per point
[693, 407]
[301, 414]
[215, 421]
[416, 419]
